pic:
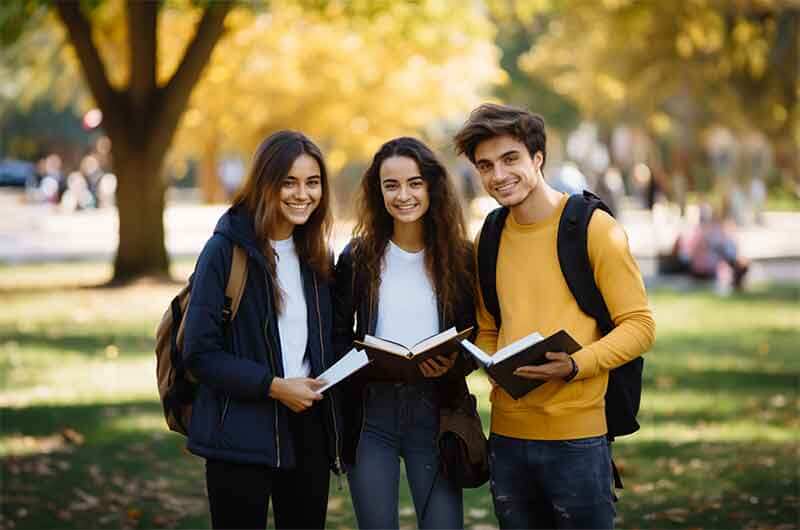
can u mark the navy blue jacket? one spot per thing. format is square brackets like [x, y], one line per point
[357, 315]
[233, 417]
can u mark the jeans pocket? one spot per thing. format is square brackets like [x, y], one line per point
[586, 443]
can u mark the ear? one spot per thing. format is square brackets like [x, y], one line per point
[538, 160]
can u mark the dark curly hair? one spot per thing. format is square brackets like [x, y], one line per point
[448, 256]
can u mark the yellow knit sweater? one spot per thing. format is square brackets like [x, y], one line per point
[534, 297]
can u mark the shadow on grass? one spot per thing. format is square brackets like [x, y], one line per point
[708, 484]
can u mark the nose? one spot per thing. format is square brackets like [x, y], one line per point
[497, 172]
[301, 192]
[403, 194]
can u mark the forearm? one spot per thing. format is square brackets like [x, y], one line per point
[632, 337]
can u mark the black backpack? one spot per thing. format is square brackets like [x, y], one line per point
[625, 382]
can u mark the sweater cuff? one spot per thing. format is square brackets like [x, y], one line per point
[586, 363]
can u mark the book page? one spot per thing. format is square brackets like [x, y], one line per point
[353, 361]
[430, 342]
[385, 345]
[516, 347]
[476, 352]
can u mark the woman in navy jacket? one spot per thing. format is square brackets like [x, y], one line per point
[258, 419]
[408, 274]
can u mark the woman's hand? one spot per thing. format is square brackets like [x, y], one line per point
[297, 393]
[438, 366]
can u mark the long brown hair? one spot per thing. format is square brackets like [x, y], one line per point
[448, 259]
[260, 196]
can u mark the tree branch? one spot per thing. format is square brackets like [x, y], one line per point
[80, 35]
[142, 39]
[175, 95]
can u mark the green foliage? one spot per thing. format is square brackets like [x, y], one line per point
[528, 89]
[664, 63]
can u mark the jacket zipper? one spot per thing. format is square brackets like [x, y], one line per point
[224, 410]
[333, 402]
[274, 374]
[364, 392]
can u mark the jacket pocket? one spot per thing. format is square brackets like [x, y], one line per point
[247, 426]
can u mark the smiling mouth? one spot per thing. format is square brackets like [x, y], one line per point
[298, 207]
[505, 187]
[406, 208]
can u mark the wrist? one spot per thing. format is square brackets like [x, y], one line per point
[573, 372]
[276, 387]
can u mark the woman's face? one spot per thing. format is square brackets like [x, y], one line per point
[301, 191]
[405, 192]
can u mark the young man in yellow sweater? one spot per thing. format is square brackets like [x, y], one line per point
[549, 456]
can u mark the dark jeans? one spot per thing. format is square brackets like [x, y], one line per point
[551, 484]
[402, 421]
[239, 493]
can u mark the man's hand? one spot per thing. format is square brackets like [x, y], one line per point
[297, 393]
[438, 366]
[559, 367]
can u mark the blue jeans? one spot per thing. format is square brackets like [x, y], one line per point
[551, 484]
[402, 421]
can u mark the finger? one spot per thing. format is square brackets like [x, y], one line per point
[446, 361]
[537, 377]
[316, 383]
[426, 371]
[531, 372]
[435, 365]
[556, 355]
[316, 396]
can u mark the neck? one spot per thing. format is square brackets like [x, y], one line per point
[409, 236]
[281, 231]
[539, 205]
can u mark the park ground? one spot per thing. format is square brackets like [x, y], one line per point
[84, 445]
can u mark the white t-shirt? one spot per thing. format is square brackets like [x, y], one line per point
[407, 307]
[293, 320]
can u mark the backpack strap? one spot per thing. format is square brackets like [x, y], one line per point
[573, 256]
[236, 282]
[488, 248]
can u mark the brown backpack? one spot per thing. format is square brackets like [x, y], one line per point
[176, 386]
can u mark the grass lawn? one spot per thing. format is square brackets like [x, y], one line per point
[83, 442]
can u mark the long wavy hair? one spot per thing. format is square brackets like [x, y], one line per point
[260, 196]
[448, 259]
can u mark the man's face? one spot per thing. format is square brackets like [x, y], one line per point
[507, 171]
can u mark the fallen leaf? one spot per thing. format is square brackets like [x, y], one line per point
[72, 436]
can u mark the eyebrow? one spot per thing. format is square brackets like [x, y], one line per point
[292, 177]
[509, 152]
[394, 180]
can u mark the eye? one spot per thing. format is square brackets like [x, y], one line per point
[510, 159]
[417, 183]
[288, 183]
[389, 186]
[483, 167]
[314, 182]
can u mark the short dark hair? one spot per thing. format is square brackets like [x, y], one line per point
[491, 120]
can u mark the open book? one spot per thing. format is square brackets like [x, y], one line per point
[350, 363]
[529, 350]
[401, 362]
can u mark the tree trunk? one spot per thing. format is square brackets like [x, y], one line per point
[140, 203]
[210, 183]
